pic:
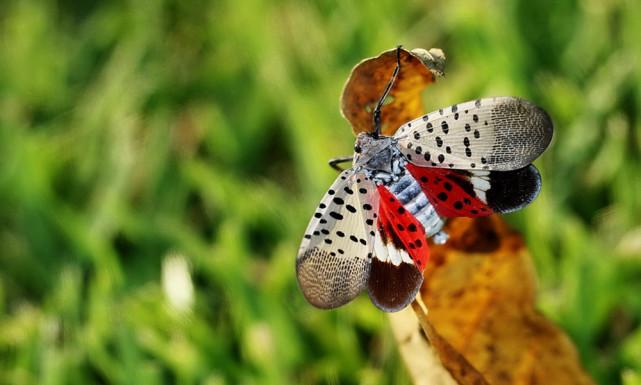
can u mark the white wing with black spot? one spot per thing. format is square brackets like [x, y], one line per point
[334, 258]
[500, 133]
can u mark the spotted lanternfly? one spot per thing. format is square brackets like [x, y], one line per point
[370, 230]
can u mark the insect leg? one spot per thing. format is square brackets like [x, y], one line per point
[377, 110]
[334, 163]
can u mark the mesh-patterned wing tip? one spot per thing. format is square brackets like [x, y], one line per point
[500, 133]
[522, 127]
[333, 261]
[329, 281]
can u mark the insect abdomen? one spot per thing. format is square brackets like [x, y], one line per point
[409, 192]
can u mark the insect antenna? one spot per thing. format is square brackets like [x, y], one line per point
[377, 110]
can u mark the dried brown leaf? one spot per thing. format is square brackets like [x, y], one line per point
[367, 82]
[480, 292]
[479, 287]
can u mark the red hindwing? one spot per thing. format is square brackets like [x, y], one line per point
[402, 228]
[450, 191]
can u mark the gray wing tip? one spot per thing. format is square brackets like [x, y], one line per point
[535, 119]
[540, 119]
[327, 281]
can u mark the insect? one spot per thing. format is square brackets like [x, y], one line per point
[370, 230]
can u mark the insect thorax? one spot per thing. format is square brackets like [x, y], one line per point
[381, 161]
[379, 158]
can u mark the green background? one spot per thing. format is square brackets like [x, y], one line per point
[139, 134]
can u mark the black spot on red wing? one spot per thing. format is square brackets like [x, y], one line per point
[393, 237]
[448, 196]
[463, 182]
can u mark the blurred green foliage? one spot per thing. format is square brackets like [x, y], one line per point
[137, 133]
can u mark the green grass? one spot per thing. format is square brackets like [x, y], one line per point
[134, 131]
